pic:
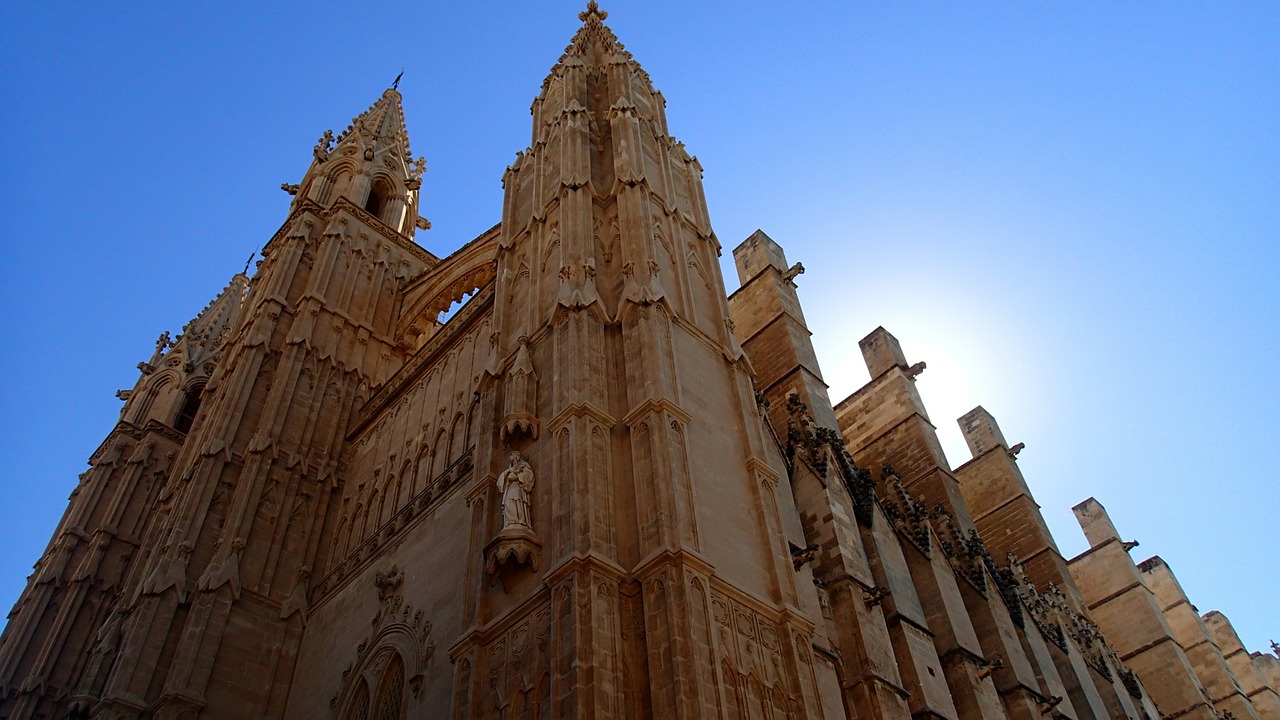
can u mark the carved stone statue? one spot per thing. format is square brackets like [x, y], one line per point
[515, 483]
[321, 151]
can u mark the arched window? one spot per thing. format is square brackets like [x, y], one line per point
[389, 705]
[377, 200]
[388, 701]
[358, 708]
[190, 406]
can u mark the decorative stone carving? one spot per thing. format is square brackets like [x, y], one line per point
[516, 485]
[516, 544]
[908, 513]
[323, 146]
[162, 343]
[397, 627]
[513, 672]
[522, 387]
[819, 447]
[752, 650]
[1046, 608]
[225, 571]
[296, 602]
[170, 572]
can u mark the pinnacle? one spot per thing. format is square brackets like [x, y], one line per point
[593, 9]
[208, 328]
[594, 43]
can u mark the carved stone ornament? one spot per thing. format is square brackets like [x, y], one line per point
[396, 628]
[819, 447]
[522, 387]
[516, 544]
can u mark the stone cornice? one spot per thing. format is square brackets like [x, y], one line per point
[656, 405]
[580, 410]
[343, 204]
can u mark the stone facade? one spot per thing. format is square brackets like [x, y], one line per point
[601, 488]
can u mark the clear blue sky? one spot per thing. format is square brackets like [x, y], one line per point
[1068, 210]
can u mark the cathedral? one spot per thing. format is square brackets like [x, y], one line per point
[563, 473]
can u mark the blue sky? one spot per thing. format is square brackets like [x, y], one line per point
[1068, 210]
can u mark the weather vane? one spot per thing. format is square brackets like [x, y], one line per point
[395, 85]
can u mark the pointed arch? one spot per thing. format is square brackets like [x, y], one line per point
[422, 476]
[440, 455]
[357, 706]
[405, 484]
[472, 412]
[390, 499]
[457, 437]
[393, 662]
[357, 517]
[158, 384]
[336, 180]
[189, 406]
[553, 242]
[342, 537]
[389, 702]
[661, 236]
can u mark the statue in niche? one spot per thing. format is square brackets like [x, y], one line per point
[516, 545]
[515, 483]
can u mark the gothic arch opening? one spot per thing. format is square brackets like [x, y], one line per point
[385, 673]
[187, 411]
[379, 194]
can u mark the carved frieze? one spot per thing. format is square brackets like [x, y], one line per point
[750, 650]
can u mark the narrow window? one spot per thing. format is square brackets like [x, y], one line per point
[190, 406]
[377, 198]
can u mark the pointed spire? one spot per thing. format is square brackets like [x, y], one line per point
[370, 165]
[594, 43]
[383, 123]
[205, 333]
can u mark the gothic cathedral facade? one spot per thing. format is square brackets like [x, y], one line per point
[603, 488]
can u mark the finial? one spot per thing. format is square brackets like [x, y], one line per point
[592, 9]
[395, 84]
